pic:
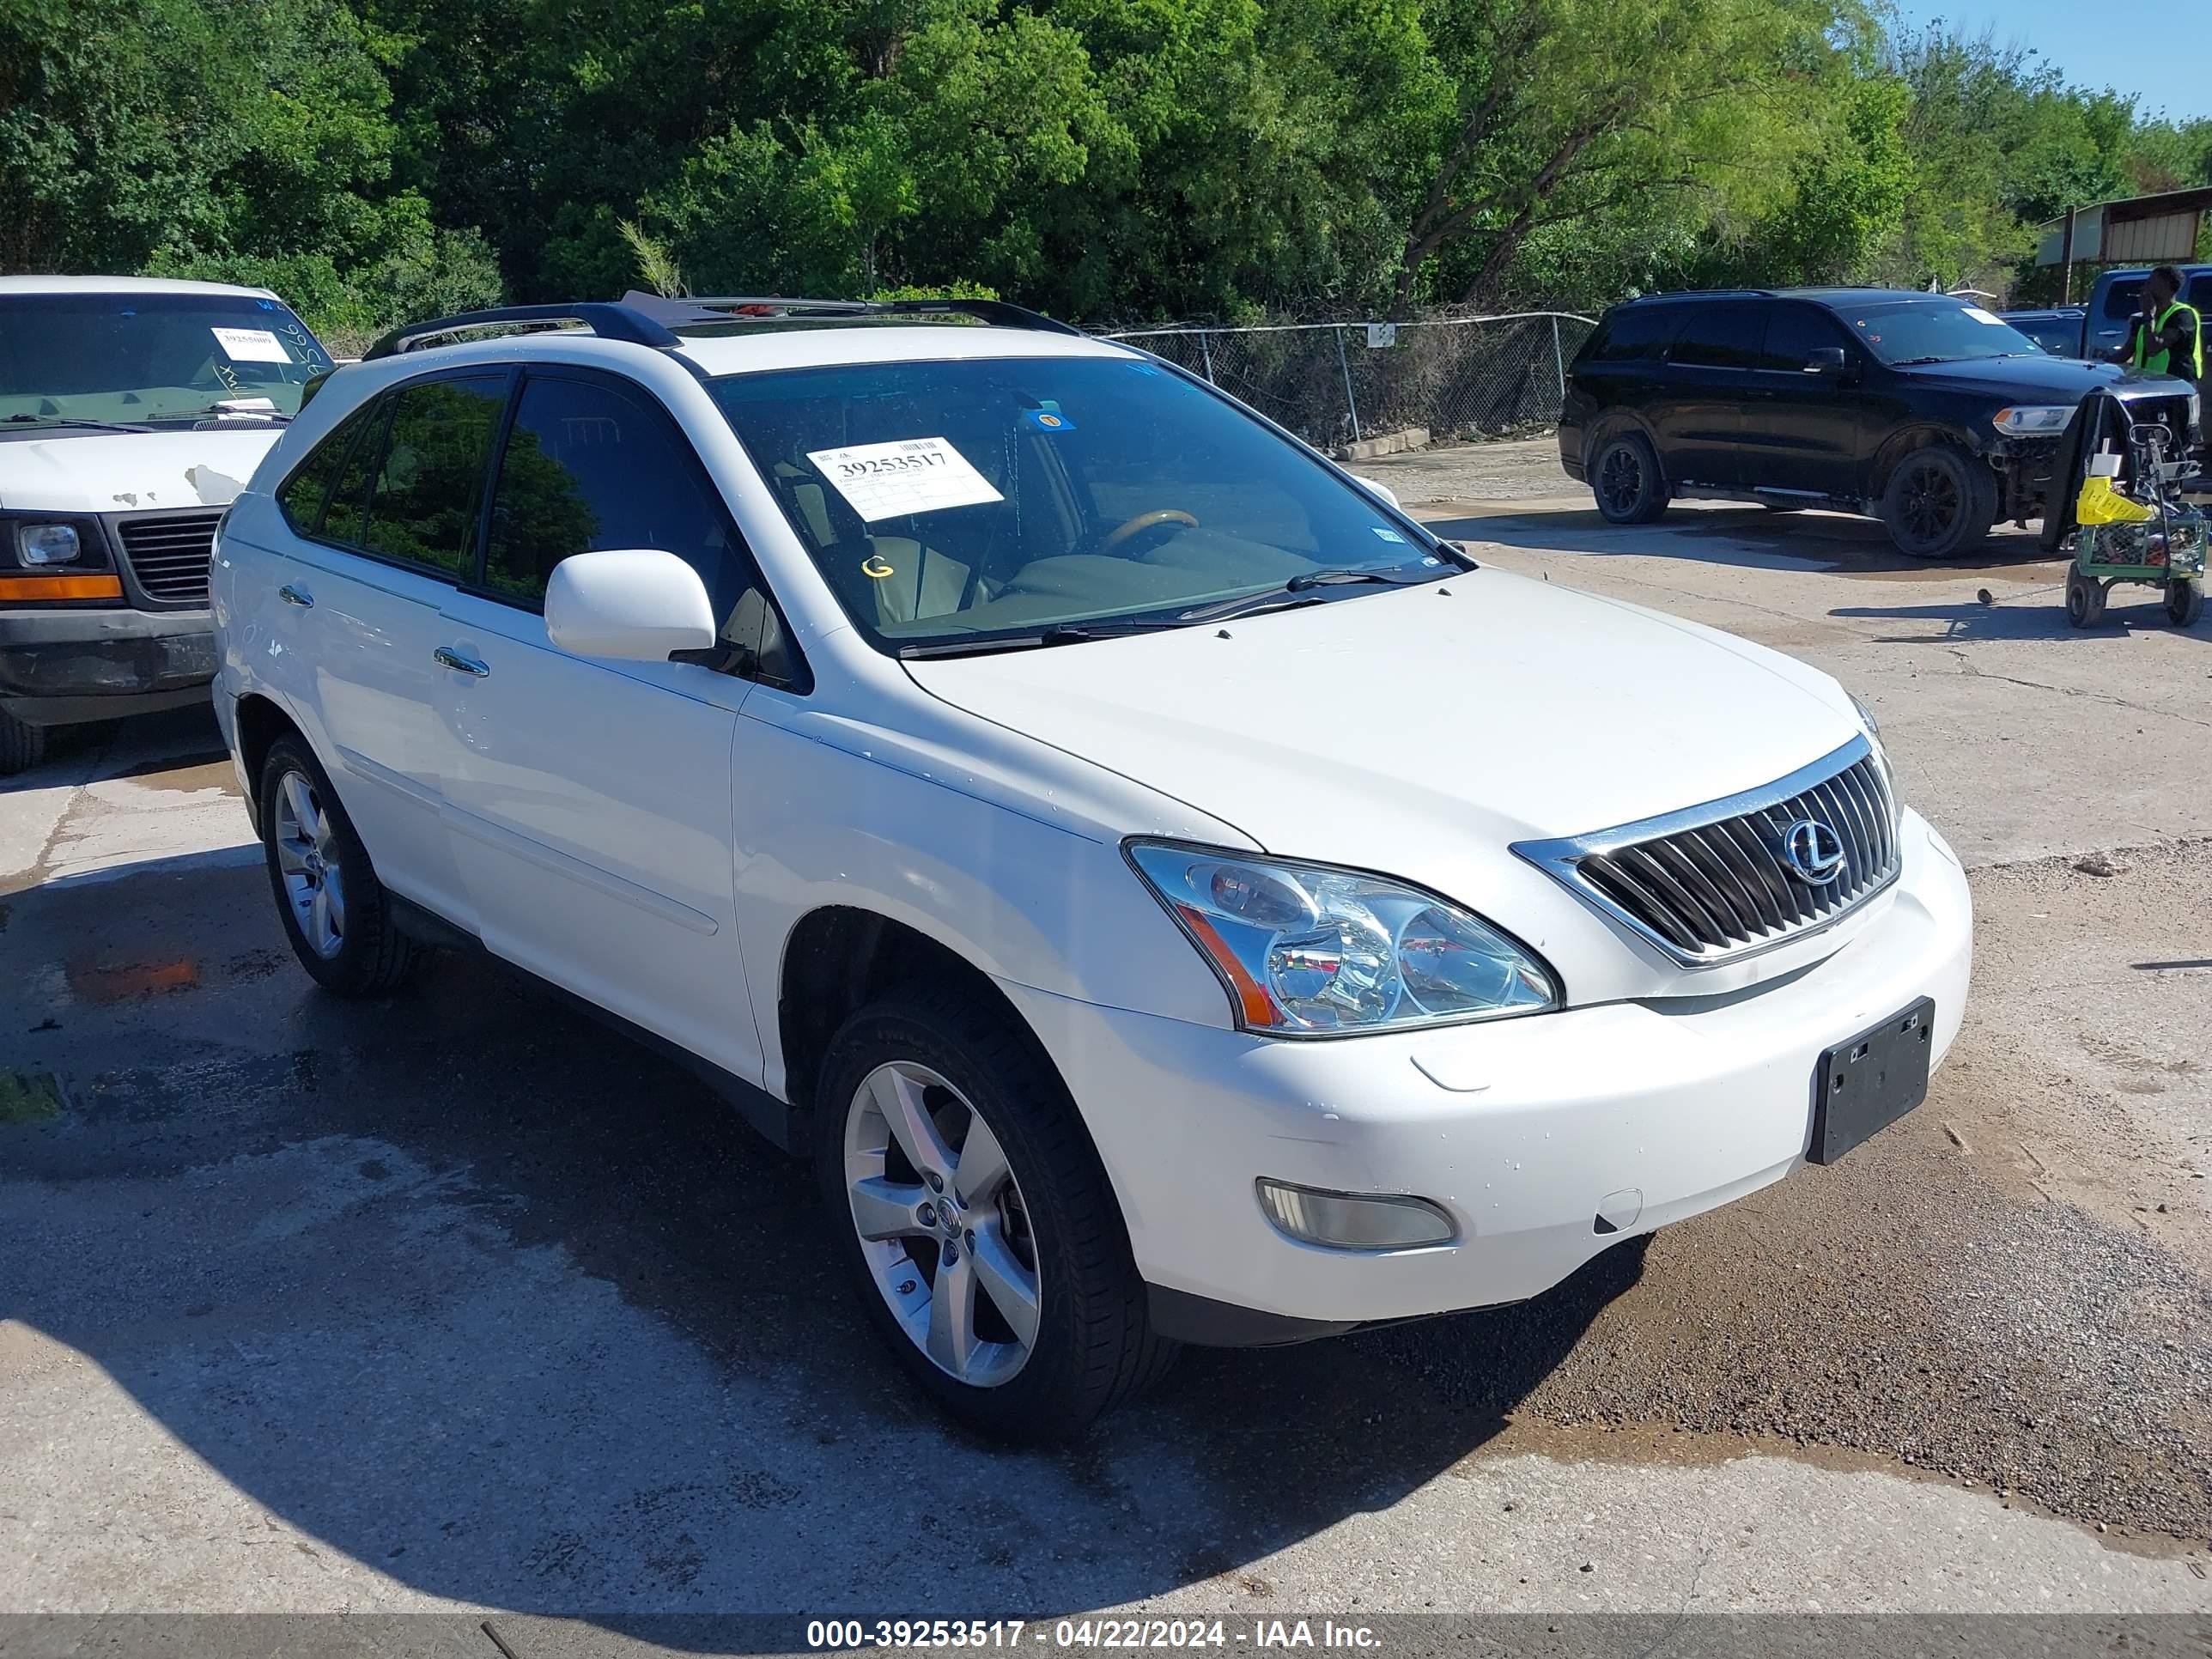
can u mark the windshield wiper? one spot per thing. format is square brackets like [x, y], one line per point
[1058, 634]
[230, 408]
[1274, 598]
[71, 420]
[1909, 362]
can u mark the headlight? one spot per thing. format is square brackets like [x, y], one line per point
[48, 544]
[2033, 420]
[1305, 949]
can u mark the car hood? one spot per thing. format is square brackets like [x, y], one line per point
[2043, 379]
[1378, 729]
[77, 470]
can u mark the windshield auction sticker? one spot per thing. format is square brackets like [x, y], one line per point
[251, 345]
[914, 475]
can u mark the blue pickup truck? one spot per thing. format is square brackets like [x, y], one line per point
[2100, 324]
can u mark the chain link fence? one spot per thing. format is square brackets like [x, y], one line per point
[1335, 383]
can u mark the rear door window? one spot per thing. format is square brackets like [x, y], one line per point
[428, 497]
[1724, 334]
[302, 495]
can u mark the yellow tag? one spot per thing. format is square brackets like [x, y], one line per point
[876, 566]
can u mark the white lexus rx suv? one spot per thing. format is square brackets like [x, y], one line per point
[1169, 895]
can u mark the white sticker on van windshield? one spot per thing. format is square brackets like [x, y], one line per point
[914, 475]
[250, 345]
[1982, 316]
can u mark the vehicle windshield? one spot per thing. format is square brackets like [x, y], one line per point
[1002, 497]
[148, 358]
[1939, 331]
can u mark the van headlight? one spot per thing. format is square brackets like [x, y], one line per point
[1305, 949]
[2033, 420]
[48, 544]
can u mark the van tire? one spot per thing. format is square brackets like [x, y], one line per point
[1939, 502]
[22, 745]
[1626, 478]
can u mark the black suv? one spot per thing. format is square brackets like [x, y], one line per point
[1928, 412]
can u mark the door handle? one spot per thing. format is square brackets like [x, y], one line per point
[454, 659]
[292, 595]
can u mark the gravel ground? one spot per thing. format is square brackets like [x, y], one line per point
[1950, 1296]
[1509, 469]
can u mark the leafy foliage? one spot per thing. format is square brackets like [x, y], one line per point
[374, 160]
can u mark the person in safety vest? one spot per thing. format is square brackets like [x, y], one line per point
[2165, 337]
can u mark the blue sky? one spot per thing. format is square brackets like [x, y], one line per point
[2107, 45]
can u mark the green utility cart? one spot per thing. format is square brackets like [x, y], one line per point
[2159, 542]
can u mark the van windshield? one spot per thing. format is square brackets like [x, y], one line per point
[148, 359]
[959, 502]
[1937, 331]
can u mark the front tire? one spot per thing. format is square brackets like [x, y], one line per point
[336, 913]
[974, 1214]
[22, 745]
[2185, 601]
[2085, 599]
[1627, 480]
[1939, 502]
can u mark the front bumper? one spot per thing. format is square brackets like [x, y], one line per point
[59, 666]
[1524, 1130]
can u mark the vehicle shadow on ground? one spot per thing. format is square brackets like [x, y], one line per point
[512, 1312]
[2040, 617]
[1737, 537]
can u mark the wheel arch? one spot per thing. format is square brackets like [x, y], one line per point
[1907, 440]
[261, 722]
[1610, 424]
[837, 958]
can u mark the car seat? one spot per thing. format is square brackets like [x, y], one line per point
[894, 579]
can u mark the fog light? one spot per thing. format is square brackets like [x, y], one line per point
[1354, 1221]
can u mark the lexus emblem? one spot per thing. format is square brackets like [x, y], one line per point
[1813, 852]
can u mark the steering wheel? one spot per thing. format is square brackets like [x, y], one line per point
[1145, 521]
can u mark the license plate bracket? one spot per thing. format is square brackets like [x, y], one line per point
[1862, 1086]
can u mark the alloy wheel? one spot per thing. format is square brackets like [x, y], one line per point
[308, 860]
[1931, 503]
[1621, 477]
[942, 1223]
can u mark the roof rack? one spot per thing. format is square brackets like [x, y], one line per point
[615, 321]
[651, 319]
[735, 307]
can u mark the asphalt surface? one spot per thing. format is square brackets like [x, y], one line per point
[458, 1302]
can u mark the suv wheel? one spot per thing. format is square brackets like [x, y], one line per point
[335, 910]
[989, 1252]
[1939, 502]
[1627, 480]
[22, 745]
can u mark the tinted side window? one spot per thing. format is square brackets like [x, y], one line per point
[2200, 291]
[2122, 298]
[302, 495]
[1793, 334]
[343, 519]
[428, 493]
[589, 468]
[1722, 336]
[1636, 334]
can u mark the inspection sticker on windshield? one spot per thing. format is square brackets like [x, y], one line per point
[1982, 316]
[250, 345]
[915, 474]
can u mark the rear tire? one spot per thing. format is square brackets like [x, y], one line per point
[1939, 502]
[336, 913]
[1044, 1328]
[2185, 601]
[22, 745]
[1627, 480]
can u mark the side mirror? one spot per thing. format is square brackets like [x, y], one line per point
[633, 605]
[1826, 360]
[1375, 487]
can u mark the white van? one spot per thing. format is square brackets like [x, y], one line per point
[131, 411]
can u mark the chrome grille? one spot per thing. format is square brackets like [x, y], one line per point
[169, 555]
[1713, 882]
